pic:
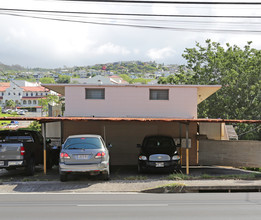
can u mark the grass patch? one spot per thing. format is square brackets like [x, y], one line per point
[136, 178]
[258, 169]
[179, 176]
[173, 185]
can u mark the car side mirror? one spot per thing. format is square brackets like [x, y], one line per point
[109, 145]
[138, 145]
[48, 141]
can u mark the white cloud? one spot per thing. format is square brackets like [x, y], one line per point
[44, 43]
[160, 54]
[110, 48]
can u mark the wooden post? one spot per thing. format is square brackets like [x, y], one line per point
[187, 161]
[180, 133]
[187, 149]
[44, 156]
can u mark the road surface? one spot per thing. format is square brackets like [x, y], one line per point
[38, 206]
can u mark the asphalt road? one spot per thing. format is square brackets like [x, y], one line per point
[130, 206]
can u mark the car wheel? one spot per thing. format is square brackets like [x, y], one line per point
[30, 167]
[106, 176]
[63, 177]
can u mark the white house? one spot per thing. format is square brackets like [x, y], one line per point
[24, 94]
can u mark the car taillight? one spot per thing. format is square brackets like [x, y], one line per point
[64, 155]
[100, 155]
[22, 151]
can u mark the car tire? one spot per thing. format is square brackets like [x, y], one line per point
[30, 167]
[106, 176]
[63, 177]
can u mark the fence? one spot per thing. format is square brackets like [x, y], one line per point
[230, 153]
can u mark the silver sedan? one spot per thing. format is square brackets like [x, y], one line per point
[84, 153]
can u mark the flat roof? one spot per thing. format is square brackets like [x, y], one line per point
[57, 119]
[203, 91]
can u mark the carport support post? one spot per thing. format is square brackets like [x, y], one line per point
[187, 150]
[44, 152]
[180, 133]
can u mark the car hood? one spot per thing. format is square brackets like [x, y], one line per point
[149, 151]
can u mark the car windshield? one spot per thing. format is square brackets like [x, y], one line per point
[159, 142]
[83, 143]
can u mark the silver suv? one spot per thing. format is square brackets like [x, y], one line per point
[84, 153]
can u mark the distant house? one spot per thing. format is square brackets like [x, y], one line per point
[25, 94]
[99, 80]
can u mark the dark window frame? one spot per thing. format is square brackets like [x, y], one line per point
[90, 95]
[159, 96]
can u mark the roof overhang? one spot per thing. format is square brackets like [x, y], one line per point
[86, 119]
[203, 91]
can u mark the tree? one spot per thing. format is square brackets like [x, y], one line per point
[47, 80]
[10, 104]
[238, 71]
[63, 79]
[45, 101]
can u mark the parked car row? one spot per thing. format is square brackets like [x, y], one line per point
[18, 111]
[23, 148]
[82, 154]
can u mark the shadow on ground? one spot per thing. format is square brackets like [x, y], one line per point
[117, 173]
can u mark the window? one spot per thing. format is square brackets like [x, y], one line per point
[26, 94]
[29, 102]
[95, 93]
[24, 102]
[159, 94]
[32, 94]
[34, 101]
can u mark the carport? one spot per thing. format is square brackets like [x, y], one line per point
[125, 133]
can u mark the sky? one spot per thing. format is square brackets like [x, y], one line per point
[32, 42]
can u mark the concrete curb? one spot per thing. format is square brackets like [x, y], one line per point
[199, 189]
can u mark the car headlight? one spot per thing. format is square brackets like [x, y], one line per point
[176, 157]
[142, 158]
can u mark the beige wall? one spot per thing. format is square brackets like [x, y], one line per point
[230, 153]
[124, 136]
[132, 101]
[213, 131]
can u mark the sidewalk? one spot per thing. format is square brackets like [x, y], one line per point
[150, 186]
[120, 184]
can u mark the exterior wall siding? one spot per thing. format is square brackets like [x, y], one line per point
[131, 102]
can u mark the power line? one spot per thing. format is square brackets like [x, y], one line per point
[140, 26]
[133, 14]
[168, 2]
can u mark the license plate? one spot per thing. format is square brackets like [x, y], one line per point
[160, 164]
[82, 157]
[2, 163]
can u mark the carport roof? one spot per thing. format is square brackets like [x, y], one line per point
[57, 119]
[203, 91]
